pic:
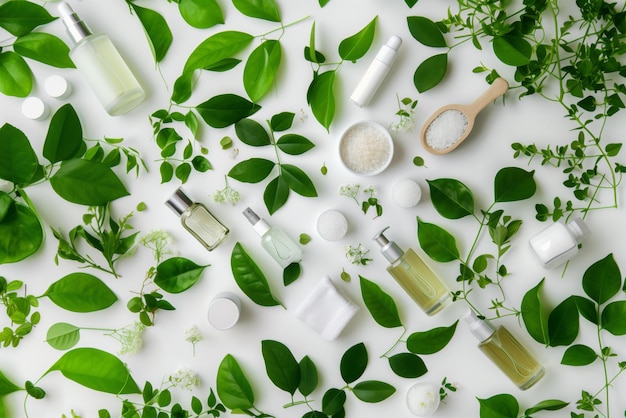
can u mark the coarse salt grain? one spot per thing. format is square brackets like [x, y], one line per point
[446, 129]
[365, 149]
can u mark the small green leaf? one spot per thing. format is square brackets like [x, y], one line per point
[614, 318]
[65, 135]
[276, 194]
[436, 242]
[602, 280]
[80, 292]
[430, 72]
[291, 273]
[499, 406]
[250, 278]
[225, 110]
[513, 184]
[63, 336]
[547, 405]
[202, 14]
[281, 366]
[224, 65]
[233, 388]
[183, 87]
[34, 391]
[21, 234]
[333, 401]
[353, 363]
[261, 69]
[321, 97]
[156, 28]
[297, 180]
[613, 149]
[21, 17]
[252, 133]
[16, 78]
[432, 341]
[357, 45]
[426, 32]
[587, 309]
[380, 305]
[260, 9]
[293, 144]
[253, 170]
[6, 386]
[563, 323]
[18, 161]
[45, 48]
[167, 171]
[201, 164]
[177, 274]
[282, 121]
[309, 377]
[512, 50]
[533, 316]
[408, 365]
[372, 391]
[216, 48]
[451, 198]
[579, 355]
[304, 239]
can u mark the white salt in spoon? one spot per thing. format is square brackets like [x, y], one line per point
[456, 121]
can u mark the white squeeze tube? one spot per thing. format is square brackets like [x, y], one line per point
[376, 72]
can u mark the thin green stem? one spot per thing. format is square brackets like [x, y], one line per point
[282, 27]
[393, 347]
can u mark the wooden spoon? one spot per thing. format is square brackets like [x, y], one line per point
[497, 89]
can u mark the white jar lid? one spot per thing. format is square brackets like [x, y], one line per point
[406, 193]
[224, 311]
[332, 225]
[34, 108]
[57, 86]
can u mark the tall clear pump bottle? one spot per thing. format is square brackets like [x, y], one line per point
[101, 65]
[505, 351]
[414, 275]
[274, 240]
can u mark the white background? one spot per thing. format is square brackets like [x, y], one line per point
[475, 163]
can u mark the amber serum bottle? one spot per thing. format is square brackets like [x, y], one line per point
[505, 351]
[414, 275]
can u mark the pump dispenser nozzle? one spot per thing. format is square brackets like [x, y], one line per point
[389, 249]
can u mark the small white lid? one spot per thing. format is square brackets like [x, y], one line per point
[578, 229]
[224, 311]
[332, 225]
[34, 108]
[57, 86]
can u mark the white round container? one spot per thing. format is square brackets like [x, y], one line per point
[332, 225]
[57, 87]
[34, 108]
[224, 311]
[366, 148]
[422, 399]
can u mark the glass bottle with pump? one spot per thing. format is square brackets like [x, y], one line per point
[414, 275]
[505, 351]
[275, 241]
[101, 65]
[197, 219]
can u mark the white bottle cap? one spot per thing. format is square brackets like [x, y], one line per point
[258, 224]
[224, 311]
[332, 225]
[578, 229]
[34, 108]
[57, 86]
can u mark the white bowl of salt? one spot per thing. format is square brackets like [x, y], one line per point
[366, 148]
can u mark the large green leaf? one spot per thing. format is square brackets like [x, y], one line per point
[16, 78]
[563, 323]
[512, 184]
[233, 388]
[276, 194]
[261, 69]
[353, 363]
[533, 315]
[45, 48]
[436, 242]
[225, 110]
[357, 45]
[81, 292]
[499, 406]
[602, 280]
[21, 234]
[430, 72]
[431, 341]
[309, 378]
[614, 318]
[297, 180]
[157, 30]
[216, 48]
[426, 32]
[380, 305]
[252, 133]
[321, 97]
[65, 135]
[373, 391]
[21, 17]
[201, 14]
[260, 9]
[451, 198]
[177, 274]
[512, 50]
[253, 170]
[87, 183]
[96, 370]
[63, 336]
[250, 278]
[18, 161]
[281, 366]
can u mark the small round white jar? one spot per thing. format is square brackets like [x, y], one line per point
[224, 311]
[422, 399]
[406, 193]
[34, 108]
[332, 225]
[366, 148]
[57, 87]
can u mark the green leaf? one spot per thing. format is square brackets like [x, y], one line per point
[226, 109]
[224, 65]
[80, 292]
[563, 323]
[276, 194]
[6, 204]
[533, 315]
[96, 370]
[63, 336]
[579, 355]
[183, 87]
[614, 318]
[87, 183]
[167, 171]
[353, 363]
[233, 388]
[18, 161]
[201, 14]
[261, 69]
[380, 305]
[216, 48]
[613, 149]
[602, 280]
[321, 97]
[357, 45]
[21, 234]
[451, 198]
[430, 72]
[547, 405]
[513, 184]
[201, 164]
[156, 29]
[297, 180]
[34, 391]
[426, 32]
[282, 121]
[372, 391]
[65, 135]
[587, 309]
[21, 17]
[333, 401]
[177, 274]
[408, 365]
[6, 386]
[293, 144]
[252, 133]
[432, 341]
[281, 366]
[309, 377]
[512, 50]
[499, 406]
[260, 9]
[16, 78]
[45, 48]
[250, 278]
[253, 170]
[291, 273]
[436, 242]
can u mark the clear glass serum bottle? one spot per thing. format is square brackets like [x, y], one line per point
[197, 219]
[102, 66]
[414, 275]
[505, 351]
[274, 240]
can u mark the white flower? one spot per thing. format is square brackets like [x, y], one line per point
[422, 399]
[131, 338]
[193, 335]
[184, 378]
